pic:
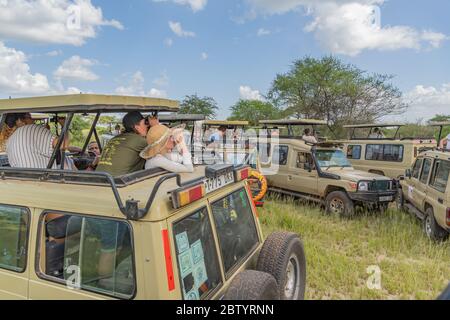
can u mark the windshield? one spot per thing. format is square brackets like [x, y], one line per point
[332, 158]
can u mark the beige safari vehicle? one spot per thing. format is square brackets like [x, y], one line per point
[146, 235]
[387, 156]
[425, 191]
[321, 173]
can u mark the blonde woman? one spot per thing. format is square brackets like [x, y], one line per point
[162, 142]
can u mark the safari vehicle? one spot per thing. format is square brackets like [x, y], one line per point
[388, 156]
[425, 191]
[147, 235]
[321, 173]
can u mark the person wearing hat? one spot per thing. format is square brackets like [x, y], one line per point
[160, 152]
[121, 155]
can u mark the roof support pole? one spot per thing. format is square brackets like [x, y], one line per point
[100, 147]
[61, 139]
[91, 131]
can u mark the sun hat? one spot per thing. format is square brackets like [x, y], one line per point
[157, 138]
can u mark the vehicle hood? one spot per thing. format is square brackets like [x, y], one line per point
[355, 175]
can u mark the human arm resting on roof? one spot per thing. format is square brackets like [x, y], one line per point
[162, 162]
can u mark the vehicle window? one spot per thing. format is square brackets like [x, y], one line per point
[197, 258]
[354, 152]
[384, 152]
[440, 176]
[90, 253]
[280, 155]
[416, 168]
[303, 159]
[331, 158]
[235, 226]
[14, 224]
[426, 170]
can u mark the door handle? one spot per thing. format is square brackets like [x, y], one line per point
[289, 177]
[441, 201]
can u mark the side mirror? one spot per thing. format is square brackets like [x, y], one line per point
[408, 173]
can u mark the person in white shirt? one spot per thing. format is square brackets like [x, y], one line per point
[308, 136]
[445, 143]
[159, 153]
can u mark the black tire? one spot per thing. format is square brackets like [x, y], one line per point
[283, 256]
[339, 202]
[400, 201]
[432, 229]
[252, 285]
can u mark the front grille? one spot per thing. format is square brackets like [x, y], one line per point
[381, 185]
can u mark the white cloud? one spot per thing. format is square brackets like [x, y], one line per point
[263, 32]
[162, 81]
[351, 26]
[156, 93]
[54, 53]
[204, 56]
[76, 68]
[56, 21]
[15, 74]
[168, 42]
[247, 93]
[136, 88]
[426, 102]
[178, 30]
[196, 5]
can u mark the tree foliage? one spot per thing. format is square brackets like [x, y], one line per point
[331, 90]
[253, 111]
[194, 104]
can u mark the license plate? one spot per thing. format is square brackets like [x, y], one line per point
[212, 184]
[386, 199]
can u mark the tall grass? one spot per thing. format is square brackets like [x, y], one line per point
[339, 251]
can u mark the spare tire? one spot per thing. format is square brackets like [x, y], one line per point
[252, 285]
[283, 256]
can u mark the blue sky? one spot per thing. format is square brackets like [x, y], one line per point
[224, 49]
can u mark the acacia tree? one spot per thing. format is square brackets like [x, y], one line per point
[253, 111]
[195, 105]
[331, 90]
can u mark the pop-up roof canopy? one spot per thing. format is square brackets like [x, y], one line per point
[87, 103]
[374, 125]
[226, 123]
[181, 117]
[293, 122]
[439, 124]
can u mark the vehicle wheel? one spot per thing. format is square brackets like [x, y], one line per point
[338, 202]
[400, 200]
[252, 285]
[283, 256]
[431, 228]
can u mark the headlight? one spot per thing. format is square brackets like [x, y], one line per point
[363, 186]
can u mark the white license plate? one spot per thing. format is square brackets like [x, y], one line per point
[212, 184]
[386, 199]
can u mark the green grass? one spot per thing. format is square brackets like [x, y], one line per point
[339, 251]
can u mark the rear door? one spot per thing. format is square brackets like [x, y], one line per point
[15, 225]
[278, 170]
[411, 183]
[420, 191]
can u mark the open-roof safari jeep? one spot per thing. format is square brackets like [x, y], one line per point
[425, 191]
[388, 156]
[320, 172]
[147, 235]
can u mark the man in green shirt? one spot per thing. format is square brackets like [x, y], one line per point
[121, 155]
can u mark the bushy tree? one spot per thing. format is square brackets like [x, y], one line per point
[340, 93]
[253, 111]
[194, 104]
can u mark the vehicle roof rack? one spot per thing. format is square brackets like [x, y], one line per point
[293, 122]
[373, 125]
[130, 209]
[87, 103]
[181, 117]
[226, 123]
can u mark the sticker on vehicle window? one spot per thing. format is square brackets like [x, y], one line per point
[192, 295]
[185, 263]
[197, 252]
[200, 275]
[182, 242]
